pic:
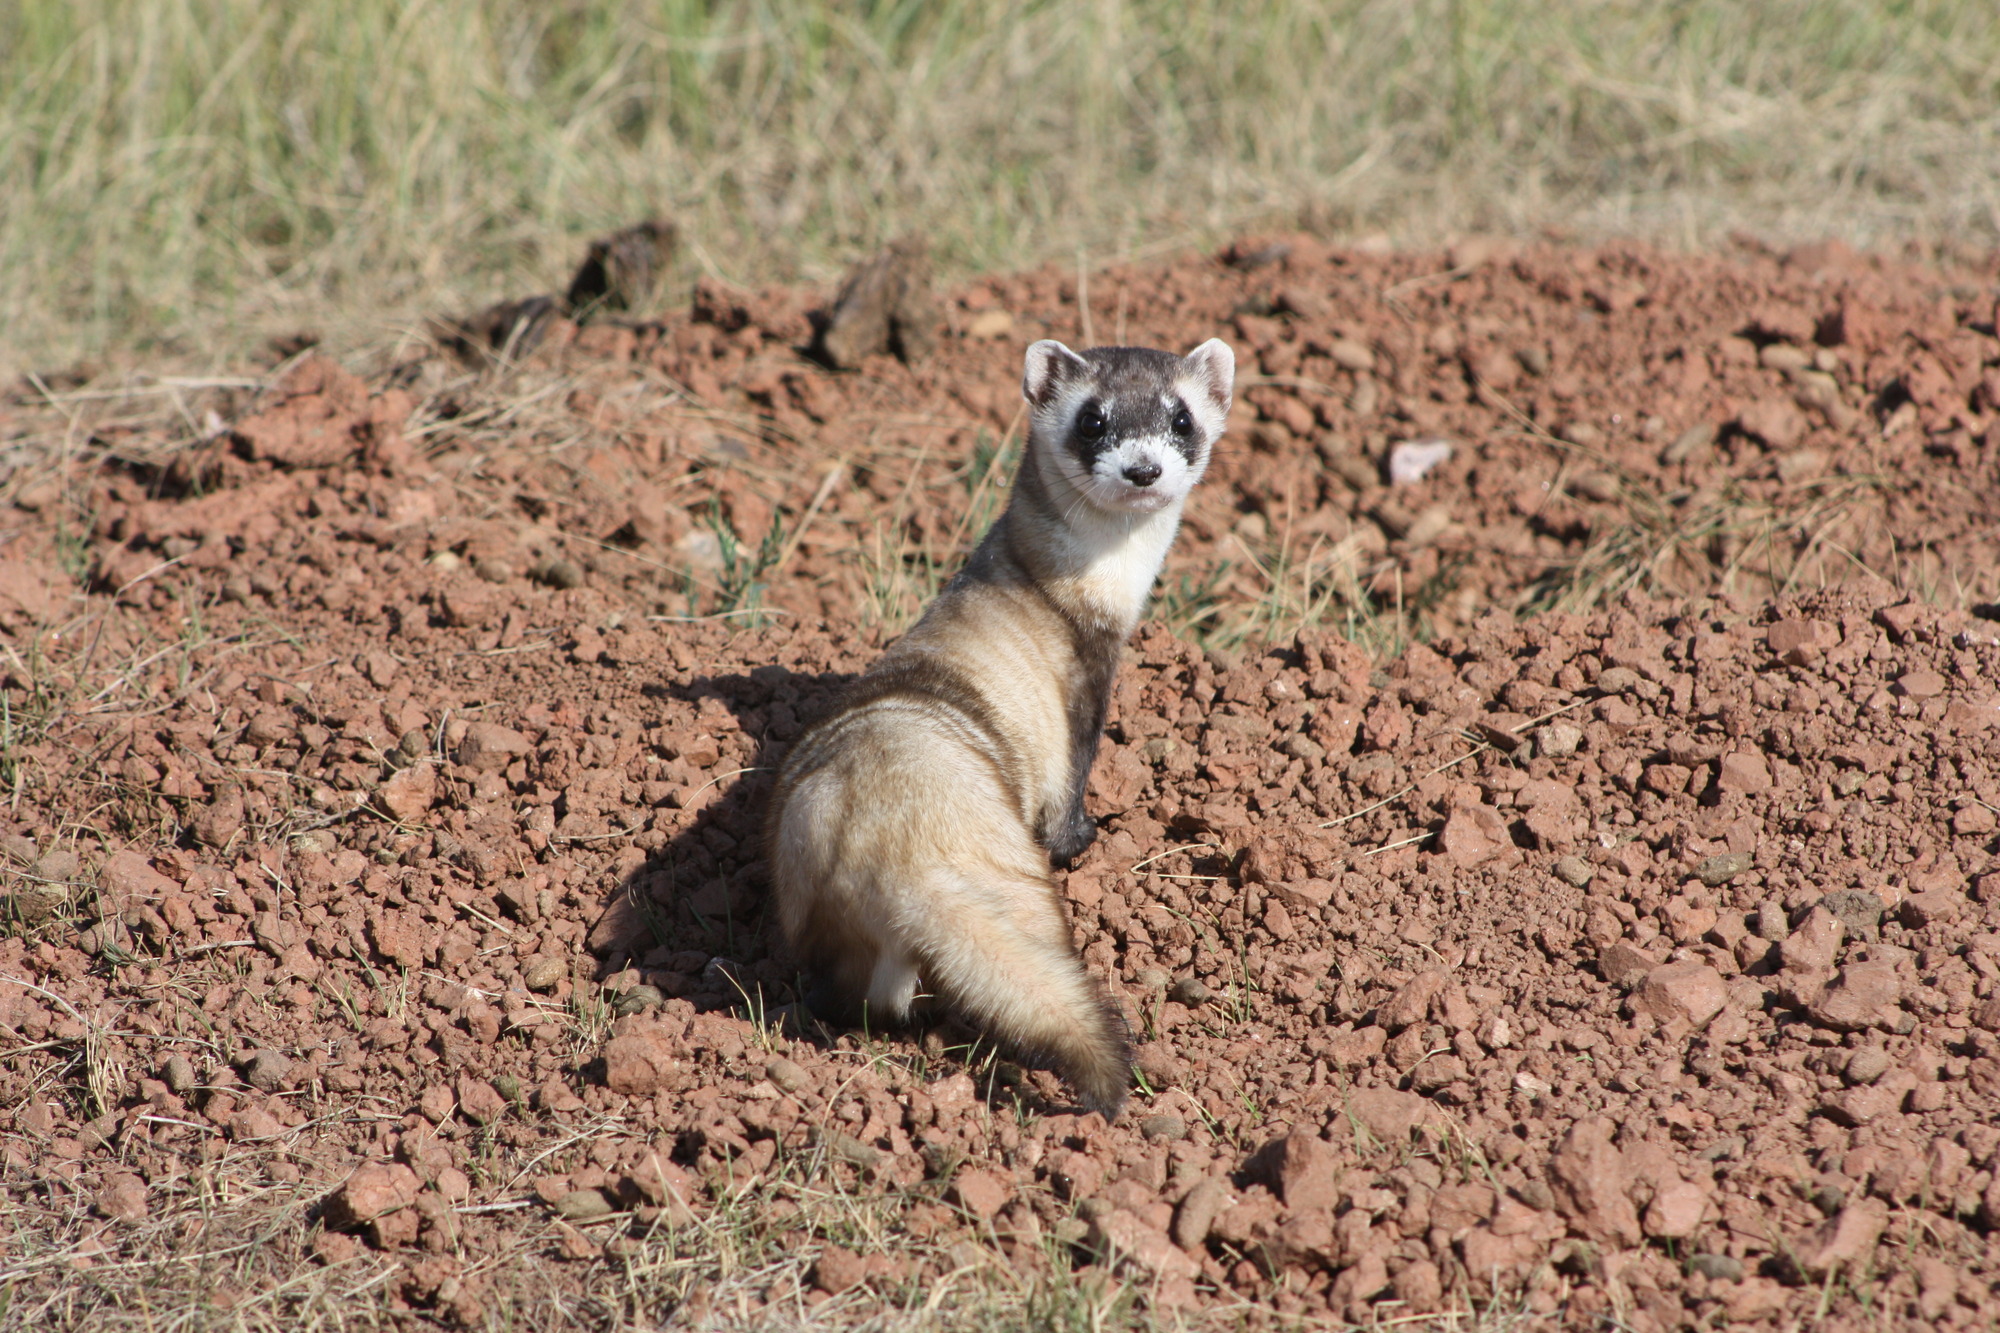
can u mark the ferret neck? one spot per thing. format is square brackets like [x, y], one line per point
[1098, 566]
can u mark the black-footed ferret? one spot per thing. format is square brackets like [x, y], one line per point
[912, 832]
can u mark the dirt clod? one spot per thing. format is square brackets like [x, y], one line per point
[885, 305]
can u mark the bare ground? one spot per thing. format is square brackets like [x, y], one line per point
[1562, 887]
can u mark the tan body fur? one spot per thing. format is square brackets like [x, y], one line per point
[912, 831]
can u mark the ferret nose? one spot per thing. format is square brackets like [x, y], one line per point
[1143, 474]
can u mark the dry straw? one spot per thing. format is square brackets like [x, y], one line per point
[187, 176]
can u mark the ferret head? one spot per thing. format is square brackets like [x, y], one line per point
[1130, 427]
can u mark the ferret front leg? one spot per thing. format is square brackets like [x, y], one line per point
[1070, 832]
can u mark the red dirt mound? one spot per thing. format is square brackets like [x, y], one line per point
[386, 772]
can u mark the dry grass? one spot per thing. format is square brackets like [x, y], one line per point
[1730, 538]
[226, 1249]
[186, 177]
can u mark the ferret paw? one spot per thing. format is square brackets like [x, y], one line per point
[1071, 840]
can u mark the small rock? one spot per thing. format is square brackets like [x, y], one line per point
[1351, 354]
[371, 1192]
[554, 1096]
[1717, 1267]
[1743, 771]
[1752, 1300]
[1689, 444]
[1625, 964]
[469, 605]
[558, 572]
[639, 999]
[1574, 871]
[1860, 911]
[110, 939]
[1413, 460]
[1903, 619]
[584, 1205]
[1618, 680]
[886, 304]
[1858, 1106]
[1862, 995]
[641, 1061]
[409, 792]
[1411, 1002]
[1158, 1065]
[489, 747]
[252, 1123]
[786, 1075]
[1131, 1244]
[1775, 421]
[1301, 301]
[666, 1187]
[122, 1197]
[1347, 1049]
[1937, 1286]
[1592, 1184]
[1197, 1213]
[1438, 1072]
[436, 1103]
[178, 1075]
[1686, 992]
[1800, 642]
[1420, 1285]
[31, 904]
[1921, 909]
[989, 324]
[1558, 739]
[847, 1148]
[129, 878]
[1718, 870]
[1677, 1209]
[839, 1270]
[1922, 683]
[544, 974]
[1389, 1116]
[1866, 1065]
[480, 1101]
[1814, 945]
[981, 1193]
[1305, 1170]
[221, 819]
[1844, 1240]
[1168, 1127]
[1190, 991]
[267, 1071]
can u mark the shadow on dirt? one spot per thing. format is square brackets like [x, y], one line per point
[694, 921]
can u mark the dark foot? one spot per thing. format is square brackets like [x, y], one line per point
[1071, 840]
[832, 1005]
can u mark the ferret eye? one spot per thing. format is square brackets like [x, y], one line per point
[1183, 422]
[1090, 422]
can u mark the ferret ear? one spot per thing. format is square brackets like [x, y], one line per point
[1216, 365]
[1048, 364]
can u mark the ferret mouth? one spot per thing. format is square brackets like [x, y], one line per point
[1134, 499]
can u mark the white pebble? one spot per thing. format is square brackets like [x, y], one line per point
[1412, 460]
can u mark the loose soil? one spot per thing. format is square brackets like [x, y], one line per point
[1562, 885]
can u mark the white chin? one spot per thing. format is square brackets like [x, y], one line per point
[1133, 499]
